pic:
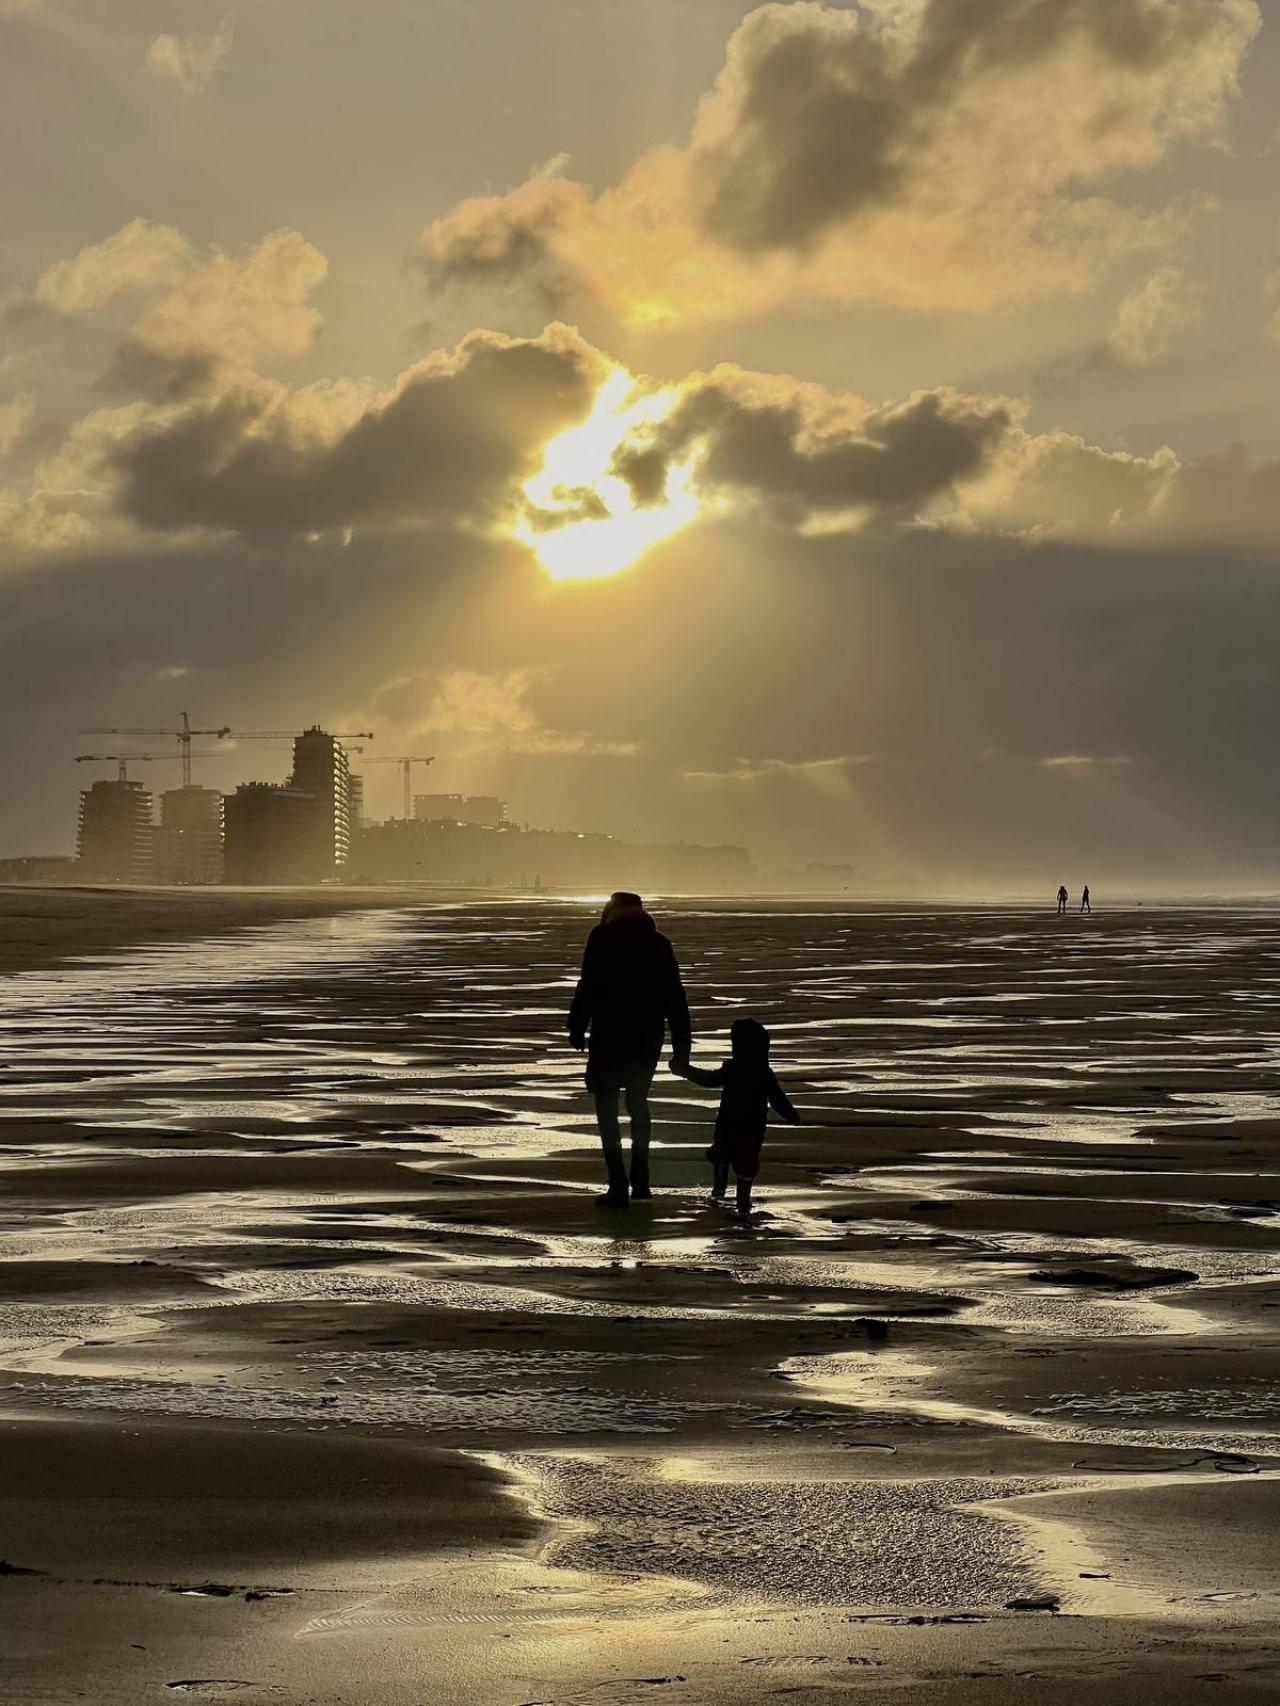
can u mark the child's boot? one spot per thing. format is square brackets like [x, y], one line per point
[719, 1179]
[744, 1197]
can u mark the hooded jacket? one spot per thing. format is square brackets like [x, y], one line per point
[628, 994]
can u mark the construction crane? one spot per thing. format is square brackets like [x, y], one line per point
[282, 748]
[290, 734]
[184, 736]
[124, 759]
[407, 765]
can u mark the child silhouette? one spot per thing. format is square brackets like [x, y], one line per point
[748, 1089]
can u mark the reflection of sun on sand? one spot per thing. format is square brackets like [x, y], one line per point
[581, 518]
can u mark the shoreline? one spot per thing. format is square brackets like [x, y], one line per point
[45, 925]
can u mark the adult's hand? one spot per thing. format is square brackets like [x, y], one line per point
[578, 1040]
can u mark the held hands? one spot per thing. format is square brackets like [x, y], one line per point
[679, 1064]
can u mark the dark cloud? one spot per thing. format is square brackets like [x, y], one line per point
[447, 445]
[161, 376]
[801, 451]
[498, 241]
[819, 129]
[829, 113]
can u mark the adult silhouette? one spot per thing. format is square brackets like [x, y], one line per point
[1086, 905]
[629, 993]
[1062, 898]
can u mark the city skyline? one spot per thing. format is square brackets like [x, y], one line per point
[908, 502]
[310, 827]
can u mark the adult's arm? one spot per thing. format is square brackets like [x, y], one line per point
[677, 1010]
[710, 1077]
[584, 996]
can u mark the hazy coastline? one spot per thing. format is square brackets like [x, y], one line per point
[42, 925]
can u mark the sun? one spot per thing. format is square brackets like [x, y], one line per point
[580, 519]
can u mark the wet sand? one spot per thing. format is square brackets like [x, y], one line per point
[322, 1377]
[45, 926]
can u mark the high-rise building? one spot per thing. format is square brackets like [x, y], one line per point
[270, 835]
[189, 839]
[460, 808]
[357, 804]
[115, 842]
[322, 771]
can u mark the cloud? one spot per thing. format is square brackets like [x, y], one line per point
[807, 459]
[816, 770]
[457, 439]
[191, 61]
[69, 503]
[47, 521]
[1066, 761]
[930, 153]
[205, 317]
[491, 705]
[1148, 318]
[471, 702]
[140, 256]
[1086, 761]
[460, 442]
[1058, 485]
[804, 453]
[15, 418]
[238, 310]
[1271, 292]
[449, 445]
[509, 241]
[556, 743]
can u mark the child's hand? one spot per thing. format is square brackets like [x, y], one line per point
[578, 1040]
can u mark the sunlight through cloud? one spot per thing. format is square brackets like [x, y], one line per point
[581, 519]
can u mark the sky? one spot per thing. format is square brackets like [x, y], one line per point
[843, 430]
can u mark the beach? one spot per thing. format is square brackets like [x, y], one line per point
[323, 1377]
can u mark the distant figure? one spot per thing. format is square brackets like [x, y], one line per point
[629, 992]
[748, 1089]
[1062, 899]
[1085, 904]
